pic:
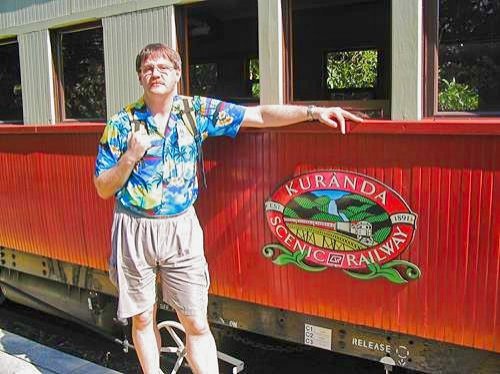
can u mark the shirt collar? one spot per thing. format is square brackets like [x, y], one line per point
[142, 113]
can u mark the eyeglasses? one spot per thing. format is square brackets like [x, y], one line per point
[162, 69]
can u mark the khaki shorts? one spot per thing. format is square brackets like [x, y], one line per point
[142, 247]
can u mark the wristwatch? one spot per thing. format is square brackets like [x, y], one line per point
[310, 109]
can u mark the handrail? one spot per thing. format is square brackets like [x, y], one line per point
[431, 126]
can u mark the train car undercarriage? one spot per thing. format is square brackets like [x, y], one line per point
[86, 296]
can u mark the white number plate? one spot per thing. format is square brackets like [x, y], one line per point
[317, 336]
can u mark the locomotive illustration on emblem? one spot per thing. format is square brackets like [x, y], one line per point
[345, 220]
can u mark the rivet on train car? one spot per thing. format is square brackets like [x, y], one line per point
[342, 334]
[341, 344]
[410, 342]
[388, 338]
[44, 264]
[2, 254]
[44, 272]
[14, 264]
[3, 262]
[13, 256]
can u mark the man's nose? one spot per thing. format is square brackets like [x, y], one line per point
[156, 71]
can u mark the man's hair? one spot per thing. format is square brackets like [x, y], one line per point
[158, 49]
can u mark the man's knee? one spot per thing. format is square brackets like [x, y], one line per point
[143, 319]
[195, 325]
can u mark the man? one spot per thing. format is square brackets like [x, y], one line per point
[148, 160]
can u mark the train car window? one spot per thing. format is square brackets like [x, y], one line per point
[79, 57]
[215, 47]
[463, 57]
[340, 51]
[11, 109]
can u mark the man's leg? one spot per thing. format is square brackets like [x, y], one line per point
[155, 324]
[200, 344]
[146, 340]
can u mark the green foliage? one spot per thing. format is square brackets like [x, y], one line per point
[455, 96]
[323, 200]
[86, 98]
[352, 210]
[304, 202]
[389, 271]
[203, 78]
[323, 208]
[287, 257]
[254, 76]
[254, 69]
[83, 74]
[326, 217]
[378, 218]
[10, 78]
[255, 89]
[361, 216]
[380, 235]
[361, 198]
[351, 69]
[288, 212]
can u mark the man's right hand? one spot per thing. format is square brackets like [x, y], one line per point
[111, 180]
[138, 143]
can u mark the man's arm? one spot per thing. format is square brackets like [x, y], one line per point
[111, 180]
[284, 115]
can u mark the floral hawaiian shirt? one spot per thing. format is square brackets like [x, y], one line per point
[164, 182]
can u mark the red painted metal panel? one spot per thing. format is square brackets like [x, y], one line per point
[451, 180]
[48, 203]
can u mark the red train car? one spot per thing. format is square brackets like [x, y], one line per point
[424, 294]
[382, 244]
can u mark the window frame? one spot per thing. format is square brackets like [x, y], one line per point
[4, 42]
[381, 105]
[58, 73]
[431, 68]
[182, 40]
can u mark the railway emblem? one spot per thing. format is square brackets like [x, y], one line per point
[345, 220]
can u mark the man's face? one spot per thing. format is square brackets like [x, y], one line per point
[158, 76]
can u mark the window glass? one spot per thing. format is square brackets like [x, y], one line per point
[340, 49]
[469, 56]
[222, 37]
[11, 107]
[82, 60]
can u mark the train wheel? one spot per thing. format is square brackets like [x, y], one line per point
[175, 330]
